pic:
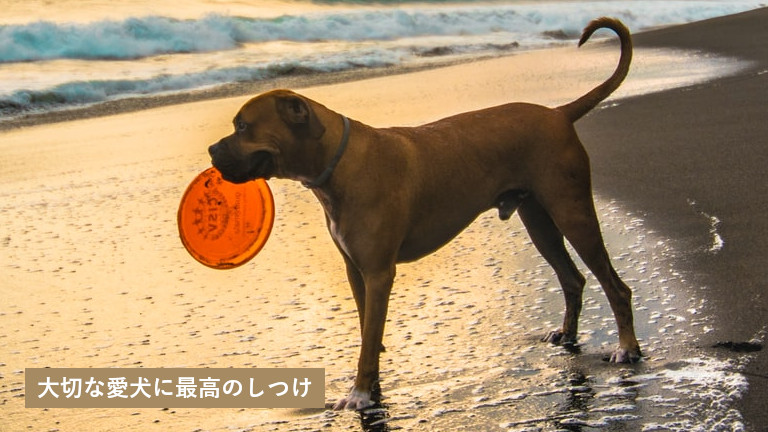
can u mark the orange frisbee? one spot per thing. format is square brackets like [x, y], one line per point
[223, 225]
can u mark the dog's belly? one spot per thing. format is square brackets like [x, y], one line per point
[433, 233]
[442, 216]
[414, 251]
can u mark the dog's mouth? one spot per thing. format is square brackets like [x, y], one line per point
[262, 165]
[258, 165]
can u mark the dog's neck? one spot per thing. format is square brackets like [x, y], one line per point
[326, 174]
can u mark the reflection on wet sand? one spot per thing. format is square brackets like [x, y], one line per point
[463, 333]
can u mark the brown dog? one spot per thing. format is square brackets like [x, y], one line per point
[510, 157]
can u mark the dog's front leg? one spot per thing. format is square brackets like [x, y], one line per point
[378, 286]
[356, 282]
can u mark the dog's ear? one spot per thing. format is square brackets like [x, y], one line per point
[299, 115]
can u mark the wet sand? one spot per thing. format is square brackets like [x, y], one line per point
[95, 275]
[693, 162]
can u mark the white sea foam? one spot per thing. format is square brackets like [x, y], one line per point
[714, 384]
[137, 37]
[716, 242]
[717, 239]
[49, 65]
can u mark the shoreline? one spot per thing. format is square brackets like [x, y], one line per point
[693, 164]
[226, 91]
[292, 81]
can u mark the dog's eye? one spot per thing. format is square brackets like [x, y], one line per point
[240, 126]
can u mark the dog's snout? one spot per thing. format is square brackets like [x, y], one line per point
[214, 149]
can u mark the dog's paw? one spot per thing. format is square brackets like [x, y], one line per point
[622, 355]
[557, 337]
[357, 400]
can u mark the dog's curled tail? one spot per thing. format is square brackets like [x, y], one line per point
[578, 108]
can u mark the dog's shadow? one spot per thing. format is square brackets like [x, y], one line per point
[375, 418]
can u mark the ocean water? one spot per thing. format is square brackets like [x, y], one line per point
[71, 53]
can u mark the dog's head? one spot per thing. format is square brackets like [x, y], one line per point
[275, 135]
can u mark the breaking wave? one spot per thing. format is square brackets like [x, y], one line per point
[150, 55]
[148, 36]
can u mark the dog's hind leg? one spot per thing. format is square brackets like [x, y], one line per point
[549, 241]
[572, 210]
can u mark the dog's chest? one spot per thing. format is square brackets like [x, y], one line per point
[333, 227]
[338, 236]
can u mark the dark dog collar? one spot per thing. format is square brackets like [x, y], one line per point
[322, 178]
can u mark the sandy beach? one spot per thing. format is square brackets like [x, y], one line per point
[95, 275]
